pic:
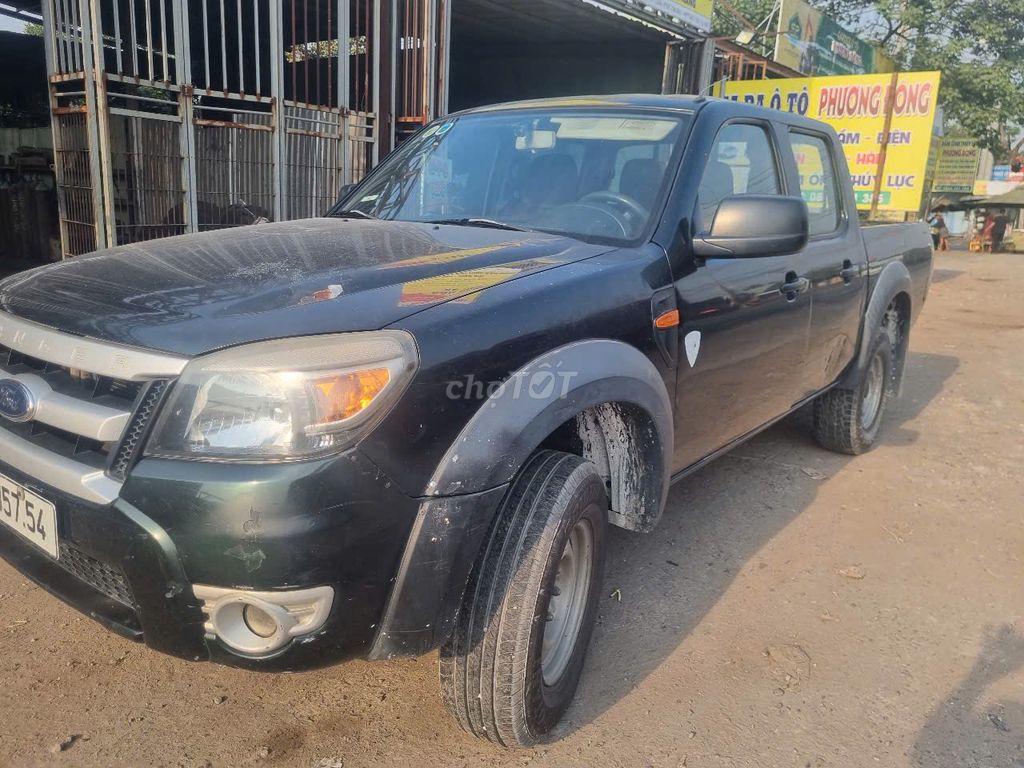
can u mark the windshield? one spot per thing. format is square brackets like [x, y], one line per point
[588, 174]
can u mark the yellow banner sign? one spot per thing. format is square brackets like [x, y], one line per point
[696, 13]
[855, 106]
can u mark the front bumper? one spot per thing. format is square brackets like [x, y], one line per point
[130, 565]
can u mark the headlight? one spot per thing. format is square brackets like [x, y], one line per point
[284, 399]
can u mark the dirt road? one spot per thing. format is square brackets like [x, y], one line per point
[795, 608]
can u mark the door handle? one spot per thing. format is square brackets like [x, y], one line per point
[794, 286]
[848, 272]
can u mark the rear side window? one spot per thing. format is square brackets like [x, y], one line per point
[814, 162]
[742, 162]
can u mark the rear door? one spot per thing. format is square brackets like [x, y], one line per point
[834, 259]
[743, 338]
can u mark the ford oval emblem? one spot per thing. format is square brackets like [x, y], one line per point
[16, 401]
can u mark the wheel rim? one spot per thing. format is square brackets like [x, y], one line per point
[568, 602]
[874, 386]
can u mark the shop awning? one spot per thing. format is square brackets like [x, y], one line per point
[1012, 199]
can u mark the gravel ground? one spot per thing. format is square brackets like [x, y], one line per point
[795, 608]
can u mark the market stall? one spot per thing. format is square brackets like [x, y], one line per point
[998, 222]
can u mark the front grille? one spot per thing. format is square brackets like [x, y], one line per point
[92, 404]
[100, 576]
[81, 387]
[69, 380]
[92, 453]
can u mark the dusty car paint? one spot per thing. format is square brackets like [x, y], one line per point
[196, 293]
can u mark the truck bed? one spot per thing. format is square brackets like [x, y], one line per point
[908, 242]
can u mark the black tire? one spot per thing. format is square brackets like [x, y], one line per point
[492, 681]
[840, 423]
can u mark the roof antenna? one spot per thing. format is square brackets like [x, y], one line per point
[709, 86]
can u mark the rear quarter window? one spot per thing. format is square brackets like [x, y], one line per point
[818, 186]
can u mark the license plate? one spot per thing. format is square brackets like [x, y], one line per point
[32, 517]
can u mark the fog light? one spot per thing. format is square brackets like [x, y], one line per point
[259, 621]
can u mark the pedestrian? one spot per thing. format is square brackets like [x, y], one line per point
[936, 226]
[999, 224]
[987, 230]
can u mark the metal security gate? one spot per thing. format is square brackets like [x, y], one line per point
[174, 116]
[234, 176]
[315, 159]
[72, 157]
[140, 118]
[329, 117]
[235, 111]
[146, 177]
[68, 43]
[420, 66]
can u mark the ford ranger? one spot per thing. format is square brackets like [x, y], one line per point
[407, 425]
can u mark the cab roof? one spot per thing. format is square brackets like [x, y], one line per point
[644, 100]
[726, 108]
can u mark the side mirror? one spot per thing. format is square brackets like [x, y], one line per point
[345, 189]
[747, 226]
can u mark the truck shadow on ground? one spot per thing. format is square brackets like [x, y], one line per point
[659, 587]
[968, 728]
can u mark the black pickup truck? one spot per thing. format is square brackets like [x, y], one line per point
[407, 425]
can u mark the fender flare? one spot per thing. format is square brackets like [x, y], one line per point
[465, 492]
[516, 419]
[892, 280]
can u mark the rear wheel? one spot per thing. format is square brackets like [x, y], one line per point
[847, 420]
[512, 664]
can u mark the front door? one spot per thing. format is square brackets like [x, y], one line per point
[744, 321]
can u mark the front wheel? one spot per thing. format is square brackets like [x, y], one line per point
[512, 664]
[847, 420]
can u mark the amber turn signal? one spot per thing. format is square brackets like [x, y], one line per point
[668, 319]
[341, 396]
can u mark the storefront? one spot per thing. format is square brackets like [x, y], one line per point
[539, 48]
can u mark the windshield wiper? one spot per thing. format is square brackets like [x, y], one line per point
[352, 214]
[488, 223]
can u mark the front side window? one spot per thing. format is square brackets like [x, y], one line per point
[817, 182]
[742, 162]
[591, 174]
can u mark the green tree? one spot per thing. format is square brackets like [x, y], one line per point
[734, 16]
[978, 45]
[36, 30]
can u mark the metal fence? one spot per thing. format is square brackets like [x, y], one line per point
[173, 116]
[421, 27]
[75, 199]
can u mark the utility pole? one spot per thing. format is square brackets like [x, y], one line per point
[890, 99]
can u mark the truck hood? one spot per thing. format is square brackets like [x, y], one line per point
[196, 293]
